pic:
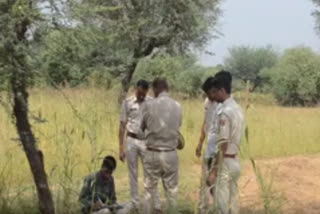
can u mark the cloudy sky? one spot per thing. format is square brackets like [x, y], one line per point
[281, 23]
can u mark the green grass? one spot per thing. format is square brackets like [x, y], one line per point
[82, 126]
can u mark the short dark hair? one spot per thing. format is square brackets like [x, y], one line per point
[109, 162]
[225, 75]
[207, 85]
[143, 84]
[160, 83]
[223, 79]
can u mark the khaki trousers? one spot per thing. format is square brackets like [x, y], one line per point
[226, 191]
[204, 193]
[136, 149]
[161, 166]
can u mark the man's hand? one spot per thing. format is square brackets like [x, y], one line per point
[199, 150]
[98, 205]
[122, 154]
[212, 177]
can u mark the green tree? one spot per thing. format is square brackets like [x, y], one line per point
[295, 80]
[246, 63]
[316, 14]
[182, 72]
[17, 18]
[132, 30]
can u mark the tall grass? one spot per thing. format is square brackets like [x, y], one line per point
[80, 126]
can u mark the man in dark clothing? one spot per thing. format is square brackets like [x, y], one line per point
[98, 195]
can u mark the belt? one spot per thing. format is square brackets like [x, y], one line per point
[132, 135]
[229, 156]
[160, 150]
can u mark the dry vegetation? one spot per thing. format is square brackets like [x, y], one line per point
[75, 128]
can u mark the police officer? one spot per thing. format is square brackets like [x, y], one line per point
[208, 128]
[162, 118]
[130, 126]
[225, 171]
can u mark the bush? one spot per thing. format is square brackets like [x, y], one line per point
[295, 80]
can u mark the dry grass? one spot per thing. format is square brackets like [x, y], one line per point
[81, 129]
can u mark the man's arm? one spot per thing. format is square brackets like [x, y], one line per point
[122, 131]
[85, 195]
[202, 138]
[222, 141]
[113, 197]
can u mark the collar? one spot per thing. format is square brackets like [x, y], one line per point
[164, 94]
[228, 101]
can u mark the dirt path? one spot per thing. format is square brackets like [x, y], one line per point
[296, 181]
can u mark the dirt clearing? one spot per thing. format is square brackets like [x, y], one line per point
[296, 181]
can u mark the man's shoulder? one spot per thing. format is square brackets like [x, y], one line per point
[91, 177]
[130, 99]
[148, 98]
[175, 102]
[230, 109]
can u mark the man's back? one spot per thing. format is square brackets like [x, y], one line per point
[162, 117]
[233, 113]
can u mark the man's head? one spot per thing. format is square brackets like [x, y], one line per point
[221, 86]
[159, 85]
[218, 88]
[109, 164]
[142, 88]
[207, 86]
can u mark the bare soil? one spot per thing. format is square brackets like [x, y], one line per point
[296, 184]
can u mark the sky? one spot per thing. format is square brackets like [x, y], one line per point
[280, 23]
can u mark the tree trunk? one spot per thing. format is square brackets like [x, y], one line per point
[125, 83]
[28, 141]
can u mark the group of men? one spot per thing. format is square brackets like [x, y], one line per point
[150, 131]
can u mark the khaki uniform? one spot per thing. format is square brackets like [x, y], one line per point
[210, 116]
[230, 128]
[162, 120]
[131, 115]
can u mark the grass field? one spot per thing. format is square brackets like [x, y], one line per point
[76, 128]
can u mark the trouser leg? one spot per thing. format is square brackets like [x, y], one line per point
[132, 163]
[203, 205]
[152, 174]
[226, 192]
[170, 178]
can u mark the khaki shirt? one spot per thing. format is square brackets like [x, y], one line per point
[230, 125]
[131, 113]
[162, 118]
[210, 115]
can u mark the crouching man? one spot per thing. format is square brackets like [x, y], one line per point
[98, 195]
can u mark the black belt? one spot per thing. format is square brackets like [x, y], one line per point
[229, 156]
[132, 135]
[160, 150]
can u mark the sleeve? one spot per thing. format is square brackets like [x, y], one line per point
[206, 109]
[181, 116]
[144, 116]
[124, 112]
[223, 129]
[113, 196]
[85, 195]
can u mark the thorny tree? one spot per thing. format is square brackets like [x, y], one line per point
[16, 19]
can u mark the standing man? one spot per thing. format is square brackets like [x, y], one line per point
[130, 127]
[225, 171]
[162, 118]
[208, 128]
